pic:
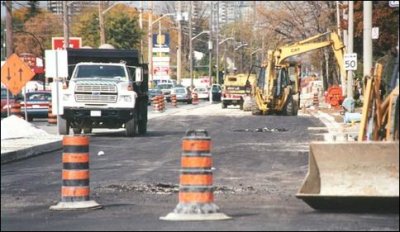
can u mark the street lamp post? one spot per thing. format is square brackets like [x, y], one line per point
[150, 37]
[191, 55]
[101, 21]
[223, 41]
[241, 62]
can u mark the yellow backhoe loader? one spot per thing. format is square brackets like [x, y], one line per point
[362, 175]
[276, 90]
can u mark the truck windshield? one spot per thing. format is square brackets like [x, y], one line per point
[108, 71]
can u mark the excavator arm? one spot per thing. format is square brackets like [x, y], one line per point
[264, 94]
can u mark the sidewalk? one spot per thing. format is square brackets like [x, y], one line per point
[24, 147]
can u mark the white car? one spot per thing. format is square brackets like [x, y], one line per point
[202, 93]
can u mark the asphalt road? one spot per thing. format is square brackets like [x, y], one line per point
[256, 177]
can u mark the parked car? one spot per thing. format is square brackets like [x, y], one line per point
[202, 93]
[37, 104]
[166, 90]
[182, 94]
[11, 100]
[152, 93]
[216, 92]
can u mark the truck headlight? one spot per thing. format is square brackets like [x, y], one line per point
[126, 98]
[66, 97]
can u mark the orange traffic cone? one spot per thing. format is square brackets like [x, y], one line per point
[196, 198]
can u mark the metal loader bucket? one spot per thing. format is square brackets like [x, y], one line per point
[352, 176]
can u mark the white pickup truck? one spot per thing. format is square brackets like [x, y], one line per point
[106, 89]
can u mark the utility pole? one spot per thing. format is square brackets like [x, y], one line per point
[66, 24]
[210, 48]
[141, 25]
[150, 45]
[9, 32]
[179, 52]
[367, 41]
[190, 44]
[217, 42]
[345, 40]
[101, 22]
[350, 100]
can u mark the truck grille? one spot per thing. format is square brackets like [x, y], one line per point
[88, 88]
[96, 92]
[96, 98]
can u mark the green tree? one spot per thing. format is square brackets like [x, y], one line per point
[86, 26]
[123, 32]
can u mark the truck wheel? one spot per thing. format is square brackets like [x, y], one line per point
[130, 127]
[295, 107]
[63, 126]
[77, 131]
[87, 130]
[223, 105]
[142, 127]
[289, 108]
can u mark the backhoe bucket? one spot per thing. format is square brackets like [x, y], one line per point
[352, 176]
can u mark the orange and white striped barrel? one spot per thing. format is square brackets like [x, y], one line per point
[196, 196]
[75, 173]
[16, 110]
[315, 100]
[51, 118]
[173, 100]
[196, 177]
[75, 188]
[162, 103]
[195, 98]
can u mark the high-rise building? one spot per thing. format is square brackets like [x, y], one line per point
[74, 6]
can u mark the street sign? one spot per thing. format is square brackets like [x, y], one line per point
[375, 33]
[394, 3]
[57, 43]
[15, 73]
[350, 61]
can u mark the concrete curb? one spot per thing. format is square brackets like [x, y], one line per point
[30, 151]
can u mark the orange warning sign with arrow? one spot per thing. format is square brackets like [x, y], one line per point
[15, 74]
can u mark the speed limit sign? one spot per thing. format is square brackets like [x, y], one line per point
[350, 61]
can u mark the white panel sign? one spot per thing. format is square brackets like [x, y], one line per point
[375, 33]
[350, 61]
[56, 62]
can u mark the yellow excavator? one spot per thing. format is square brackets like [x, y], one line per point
[277, 87]
[362, 175]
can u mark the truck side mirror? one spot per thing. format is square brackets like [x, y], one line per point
[138, 74]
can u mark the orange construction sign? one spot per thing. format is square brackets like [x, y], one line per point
[15, 73]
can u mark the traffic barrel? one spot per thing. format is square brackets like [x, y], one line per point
[173, 100]
[196, 191]
[16, 109]
[316, 100]
[51, 118]
[195, 99]
[75, 188]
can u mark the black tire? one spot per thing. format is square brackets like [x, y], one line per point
[223, 105]
[295, 107]
[87, 130]
[131, 127]
[288, 110]
[142, 127]
[63, 126]
[77, 131]
[189, 101]
[30, 118]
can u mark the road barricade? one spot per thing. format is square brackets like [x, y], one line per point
[316, 100]
[196, 197]
[195, 99]
[158, 103]
[173, 100]
[51, 118]
[75, 175]
[16, 110]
